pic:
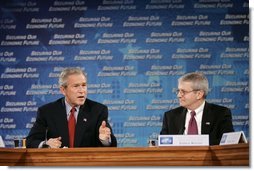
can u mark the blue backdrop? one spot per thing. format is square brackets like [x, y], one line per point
[133, 51]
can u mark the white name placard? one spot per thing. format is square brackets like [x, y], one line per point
[233, 138]
[1, 142]
[183, 140]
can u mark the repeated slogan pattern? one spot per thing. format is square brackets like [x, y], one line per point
[133, 52]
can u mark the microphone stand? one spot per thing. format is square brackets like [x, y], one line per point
[181, 131]
[44, 145]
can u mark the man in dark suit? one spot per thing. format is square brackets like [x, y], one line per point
[91, 127]
[209, 118]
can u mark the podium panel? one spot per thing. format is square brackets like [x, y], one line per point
[227, 155]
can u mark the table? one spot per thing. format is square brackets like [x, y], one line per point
[226, 155]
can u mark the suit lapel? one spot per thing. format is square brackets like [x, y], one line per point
[62, 123]
[207, 119]
[181, 121]
[82, 123]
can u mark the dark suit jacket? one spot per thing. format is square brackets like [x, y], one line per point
[53, 117]
[216, 121]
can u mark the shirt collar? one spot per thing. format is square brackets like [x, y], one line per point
[199, 109]
[68, 107]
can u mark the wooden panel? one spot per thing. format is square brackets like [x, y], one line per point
[228, 155]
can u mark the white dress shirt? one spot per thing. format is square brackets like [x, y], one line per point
[198, 117]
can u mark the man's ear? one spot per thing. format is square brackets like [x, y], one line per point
[62, 90]
[200, 94]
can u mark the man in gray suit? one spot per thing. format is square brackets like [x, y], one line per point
[90, 127]
[210, 118]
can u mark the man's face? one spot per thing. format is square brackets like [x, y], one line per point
[188, 97]
[76, 90]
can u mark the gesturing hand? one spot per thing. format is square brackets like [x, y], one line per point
[104, 131]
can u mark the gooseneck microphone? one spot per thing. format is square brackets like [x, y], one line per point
[181, 131]
[44, 145]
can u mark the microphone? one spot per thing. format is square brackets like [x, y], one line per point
[44, 145]
[181, 131]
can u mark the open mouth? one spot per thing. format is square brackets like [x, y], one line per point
[81, 97]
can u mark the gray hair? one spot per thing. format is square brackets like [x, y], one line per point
[67, 72]
[199, 81]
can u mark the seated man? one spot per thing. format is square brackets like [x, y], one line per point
[195, 115]
[73, 120]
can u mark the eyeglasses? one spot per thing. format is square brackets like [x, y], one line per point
[183, 92]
